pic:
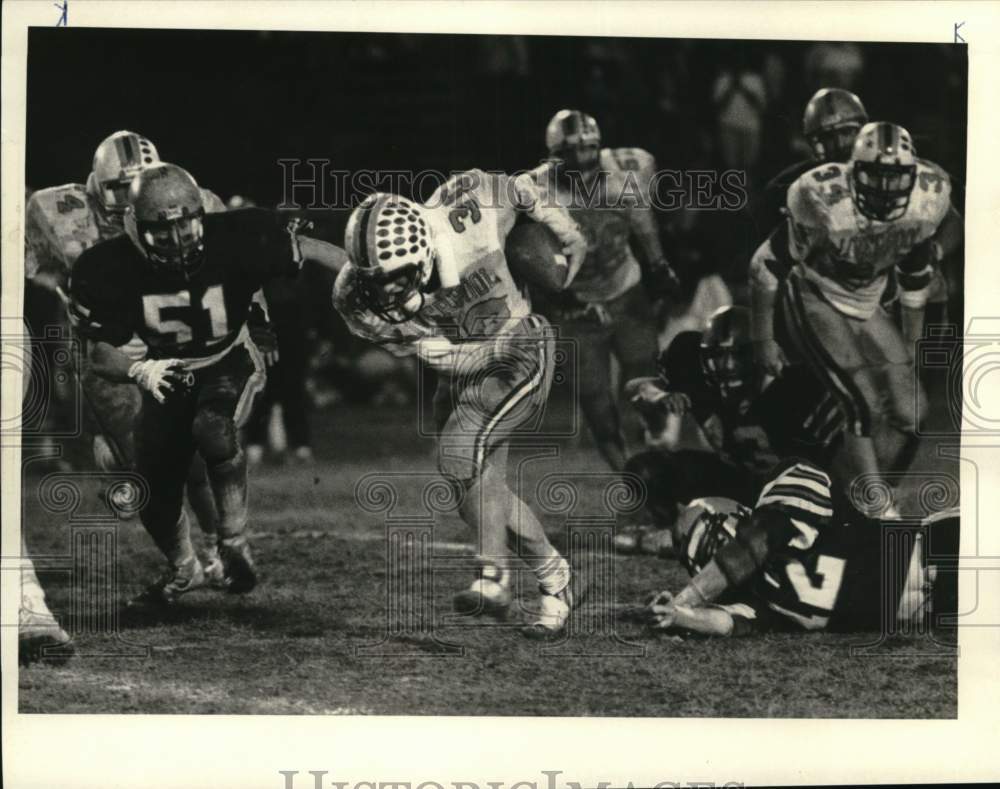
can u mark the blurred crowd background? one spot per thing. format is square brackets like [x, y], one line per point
[227, 105]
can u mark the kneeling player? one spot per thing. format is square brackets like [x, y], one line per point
[183, 281]
[805, 559]
[433, 279]
[750, 421]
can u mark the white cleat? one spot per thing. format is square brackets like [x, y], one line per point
[486, 596]
[551, 617]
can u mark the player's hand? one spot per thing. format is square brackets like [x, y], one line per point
[157, 376]
[770, 357]
[438, 352]
[266, 340]
[660, 610]
[663, 280]
[576, 252]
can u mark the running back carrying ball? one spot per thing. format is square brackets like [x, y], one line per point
[530, 250]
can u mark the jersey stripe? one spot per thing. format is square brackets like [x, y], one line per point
[798, 503]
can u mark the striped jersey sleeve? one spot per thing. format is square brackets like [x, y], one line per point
[801, 491]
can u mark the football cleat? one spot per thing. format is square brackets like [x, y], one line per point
[177, 581]
[239, 572]
[552, 615]
[487, 596]
[41, 639]
[215, 575]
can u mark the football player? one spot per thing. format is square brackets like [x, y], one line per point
[433, 279]
[607, 309]
[749, 419]
[804, 559]
[183, 280]
[831, 121]
[848, 227]
[61, 222]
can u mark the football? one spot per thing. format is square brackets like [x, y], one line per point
[531, 247]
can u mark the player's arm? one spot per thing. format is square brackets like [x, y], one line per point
[645, 232]
[765, 277]
[721, 621]
[528, 199]
[398, 339]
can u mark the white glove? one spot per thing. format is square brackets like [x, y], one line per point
[157, 376]
[438, 352]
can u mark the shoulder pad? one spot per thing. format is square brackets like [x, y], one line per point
[932, 192]
[813, 193]
[801, 487]
[58, 201]
[212, 202]
[625, 159]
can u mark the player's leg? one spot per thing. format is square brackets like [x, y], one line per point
[163, 455]
[827, 341]
[597, 401]
[225, 393]
[38, 631]
[896, 432]
[634, 344]
[201, 500]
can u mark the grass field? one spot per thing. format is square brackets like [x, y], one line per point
[292, 645]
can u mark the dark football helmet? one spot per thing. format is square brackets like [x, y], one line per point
[164, 218]
[727, 359]
[883, 171]
[704, 526]
[832, 119]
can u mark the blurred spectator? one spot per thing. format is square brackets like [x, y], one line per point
[834, 65]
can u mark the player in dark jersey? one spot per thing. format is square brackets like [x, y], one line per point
[832, 119]
[806, 559]
[183, 281]
[750, 421]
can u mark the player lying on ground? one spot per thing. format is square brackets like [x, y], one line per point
[607, 307]
[432, 279]
[805, 559]
[183, 281]
[750, 420]
[848, 227]
[61, 222]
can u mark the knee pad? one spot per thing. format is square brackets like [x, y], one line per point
[215, 436]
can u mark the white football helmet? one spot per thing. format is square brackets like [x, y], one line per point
[118, 159]
[883, 171]
[389, 241]
[574, 138]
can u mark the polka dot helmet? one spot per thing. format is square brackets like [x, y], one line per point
[118, 159]
[389, 242]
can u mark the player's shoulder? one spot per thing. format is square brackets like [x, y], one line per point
[459, 183]
[345, 291]
[814, 196]
[55, 202]
[625, 160]
[212, 202]
[932, 191]
[109, 261]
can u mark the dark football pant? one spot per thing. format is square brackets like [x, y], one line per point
[203, 417]
[673, 478]
[629, 332]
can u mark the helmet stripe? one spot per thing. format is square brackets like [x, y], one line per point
[127, 153]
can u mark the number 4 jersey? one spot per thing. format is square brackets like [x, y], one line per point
[116, 292]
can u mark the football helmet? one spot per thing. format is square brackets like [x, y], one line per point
[704, 526]
[389, 241]
[164, 218]
[118, 159]
[831, 121]
[574, 139]
[727, 359]
[883, 171]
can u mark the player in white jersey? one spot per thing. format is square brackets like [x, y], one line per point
[433, 280]
[607, 309]
[60, 223]
[849, 228]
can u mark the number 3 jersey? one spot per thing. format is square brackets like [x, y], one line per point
[475, 296]
[115, 291]
[847, 255]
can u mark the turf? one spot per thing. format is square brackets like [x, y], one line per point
[312, 638]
